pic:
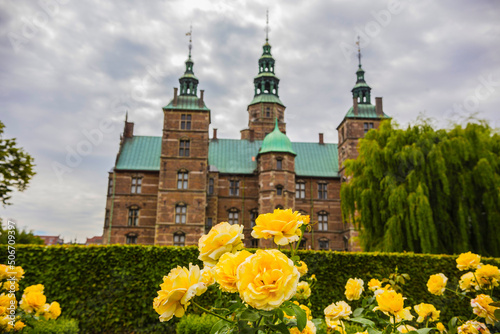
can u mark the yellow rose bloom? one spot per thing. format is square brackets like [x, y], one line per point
[440, 327]
[482, 308]
[177, 289]
[32, 301]
[5, 301]
[437, 284]
[267, 279]
[222, 238]
[387, 287]
[374, 284]
[225, 270]
[10, 286]
[468, 261]
[488, 276]
[302, 268]
[303, 290]
[282, 225]
[3, 271]
[337, 311]
[354, 288]
[309, 329]
[19, 325]
[473, 327]
[19, 272]
[34, 288]
[391, 303]
[426, 312]
[55, 310]
[207, 275]
[406, 328]
[467, 282]
[336, 325]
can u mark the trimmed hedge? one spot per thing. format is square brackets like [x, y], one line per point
[110, 289]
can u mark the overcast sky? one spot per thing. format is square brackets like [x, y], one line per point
[70, 69]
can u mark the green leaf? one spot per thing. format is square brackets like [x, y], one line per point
[250, 315]
[357, 312]
[497, 313]
[373, 331]
[496, 304]
[301, 316]
[218, 326]
[363, 321]
[423, 330]
[281, 328]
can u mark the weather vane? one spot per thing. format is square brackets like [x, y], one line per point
[267, 29]
[358, 43]
[190, 33]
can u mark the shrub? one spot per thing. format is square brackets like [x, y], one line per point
[60, 326]
[196, 324]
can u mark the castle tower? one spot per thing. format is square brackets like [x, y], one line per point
[266, 105]
[183, 164]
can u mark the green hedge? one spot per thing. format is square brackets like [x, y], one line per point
[111, 288]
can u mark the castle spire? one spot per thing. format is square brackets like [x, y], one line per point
[361, 90]
[189, 82]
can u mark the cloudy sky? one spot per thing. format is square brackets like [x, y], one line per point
[70, 69]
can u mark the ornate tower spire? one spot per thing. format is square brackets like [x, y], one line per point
[189, 82]
[361, 90]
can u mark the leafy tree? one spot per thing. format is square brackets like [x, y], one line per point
[426, 190]
[22, 236]
[16, 167]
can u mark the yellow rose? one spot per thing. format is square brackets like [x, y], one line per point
[55, 310]
[225, 270]
[374, 284]
[34, 288]
[488, 276]
[177, 289]
[303, 290]
[336, 325]
[406, 328]
[222, 238]
[309, 329]
[282, 225]
[437, 284]
[337, 311]
[426, 312]
[207, 275]
[32, 301]
[10, 286]
[302, 268]
[473, 327]
[354, 288]
[440, 327]
[3, 271]
[365, 332]
[468, 261]
[266, 279]
[19, 325]
[19, 273]
[482, 308]
[5, 301]
[467, 282]
[391, 303]
[387, 287]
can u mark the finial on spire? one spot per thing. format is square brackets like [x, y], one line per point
[190, 33]
[267, 29]
[358, 43]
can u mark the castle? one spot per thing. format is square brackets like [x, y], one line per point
[171, 189]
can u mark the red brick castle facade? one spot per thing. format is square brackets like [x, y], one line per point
[169, 190]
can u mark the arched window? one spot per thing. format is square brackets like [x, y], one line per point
[233, 216]
[131, 238]
[324, 244]
[322, 221]
[180, 213]
[179, 239]
[279, 207]
[182, 179]
[133, 215]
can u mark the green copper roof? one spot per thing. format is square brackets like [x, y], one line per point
[266, 74]
[266, 98]
[189, 75]
[232, 156]
[364, 111]
[140, 153]
[277, 141]
[361, 84]
[186, 103]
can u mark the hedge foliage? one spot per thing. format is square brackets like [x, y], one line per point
[110, 289]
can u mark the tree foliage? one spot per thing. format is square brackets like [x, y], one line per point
[16, 167]
[22, 236]
[426, 190]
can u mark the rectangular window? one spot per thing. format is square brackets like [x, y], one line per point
[324, 244]
[182, 180]
[110, 187]
[106, 218]
[136, 185]
[210, 186]
[185, 122]
[279, 191]
[255, 243]
[131, 240]
[208, 226]
[234, 188]
[322, 222]
[303, 243]
[133, 216]
[322, 194]
[179, 239]
[180, 214]
[184, 148]
[300, 190]
[233, 217]
[279, 164]
[368, 127]
[253, 216]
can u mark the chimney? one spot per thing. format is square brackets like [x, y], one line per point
[128, 132]
[200, 101]
[378, 107]
[175, 97]
[215, 134]
[252, 135]
[355, 106]
[321, 142]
